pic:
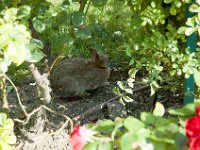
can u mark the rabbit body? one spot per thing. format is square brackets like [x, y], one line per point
[76, 76]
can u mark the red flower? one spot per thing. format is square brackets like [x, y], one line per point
[192, 128]
[195, 144]
[80, 136]
[198, 111]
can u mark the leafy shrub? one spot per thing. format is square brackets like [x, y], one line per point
[7, 136]
[151, 131]
[16, 43]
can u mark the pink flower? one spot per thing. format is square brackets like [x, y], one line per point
[192, 128]
[80, 136]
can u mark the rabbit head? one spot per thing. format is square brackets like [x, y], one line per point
[100, 61]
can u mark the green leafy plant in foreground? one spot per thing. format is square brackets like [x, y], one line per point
[16, 47]
[7, 136]
[160, 130]
[152, 131]
[16, 44]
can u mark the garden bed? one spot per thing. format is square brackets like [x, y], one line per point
[76, 108]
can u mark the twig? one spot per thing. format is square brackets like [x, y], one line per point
[55, 113]
[100, 106]
[4, 95]
[17, 93]
[96, 108]
[58, 57]
[88, 6]
[51, 111]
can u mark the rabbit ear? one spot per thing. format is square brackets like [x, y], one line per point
[95, 57]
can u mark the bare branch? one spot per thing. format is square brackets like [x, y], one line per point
[17, 93]
[43, 84]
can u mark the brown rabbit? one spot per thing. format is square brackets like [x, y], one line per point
[76, 76]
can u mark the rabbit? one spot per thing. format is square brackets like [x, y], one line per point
[77, 76]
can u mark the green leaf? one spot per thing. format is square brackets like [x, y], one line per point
[78, 19]
[82, 33]
[167, 1]
[38, 24]
[23, 12]
[105, 126]
[91, 146]
[190, 22]
[194, 8]
[36, 56]
[55, 2]
[4, 64]
[121, 85]
[127, 140]
[156, 121]
[6, 123]
[159, 145]
[118, 124]
[187, 110]
[190, 30]
[10, 15]
[163, 135]
[178, 4]
[159, 109]
[180, 141]
[147, 118]
[99, 3]
[133, 125]
[8, 137]
[59, 42]
[105, 146]
[116, 90]
[181, 30]
[173, 10]
[127, 99]
[197, 77]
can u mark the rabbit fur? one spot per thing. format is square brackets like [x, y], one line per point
[76, 76]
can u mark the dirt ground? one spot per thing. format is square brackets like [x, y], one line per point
[73, 107]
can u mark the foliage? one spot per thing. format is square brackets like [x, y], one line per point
[151, 131]
[16, 44]
[157, 130]
[143, 34]
[7, 137]
[146, 35]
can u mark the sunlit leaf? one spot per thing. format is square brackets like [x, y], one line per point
[197, 77]
[23, 12]
[173, 10]
[167, 1]
[186, 110]
[194, 8]
[159, 109]
[10, 15]
[82, 33]
[190, 30]
[133, 124]
[39, 24]
[181, 30]
[127, 98]
[127, 140]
